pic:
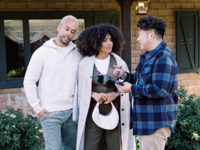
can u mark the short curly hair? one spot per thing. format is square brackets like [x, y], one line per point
[89, 41]
[150, 22]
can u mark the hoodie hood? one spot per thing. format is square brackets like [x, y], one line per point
[50, 43]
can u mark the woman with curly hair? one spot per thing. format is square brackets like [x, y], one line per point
[99, 45]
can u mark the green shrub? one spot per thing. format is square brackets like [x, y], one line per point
[17, 73]
[187, 129]
[18, 132]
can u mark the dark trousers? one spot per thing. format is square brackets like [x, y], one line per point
[97, 138]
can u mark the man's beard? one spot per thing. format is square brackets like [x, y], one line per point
[64, 43]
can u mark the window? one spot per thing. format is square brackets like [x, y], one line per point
[188, 39]
[22, 33]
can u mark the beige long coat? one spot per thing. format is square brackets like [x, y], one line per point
[82, 99]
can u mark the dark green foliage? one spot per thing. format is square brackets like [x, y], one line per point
[18, 132]
[16, 73]
[187, 130]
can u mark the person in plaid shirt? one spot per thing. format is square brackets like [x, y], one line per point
[153, 87]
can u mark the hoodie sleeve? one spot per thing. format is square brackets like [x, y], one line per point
[31, 77]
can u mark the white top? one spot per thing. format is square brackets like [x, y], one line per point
[102, 65]
[56, 76]
[65, 50]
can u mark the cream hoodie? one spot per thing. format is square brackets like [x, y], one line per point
[56, 75]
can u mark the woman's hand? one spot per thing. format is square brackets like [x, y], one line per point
[98, 97]
[109, 97]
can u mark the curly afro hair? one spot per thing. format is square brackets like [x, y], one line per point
[89, 41]
[150, 22]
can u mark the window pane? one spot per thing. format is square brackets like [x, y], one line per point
[14, 48]
[42, 30]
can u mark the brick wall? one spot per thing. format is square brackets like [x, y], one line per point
[14, 97]
[58, 5]
[166, 9]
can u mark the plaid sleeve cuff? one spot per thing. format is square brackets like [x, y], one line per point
[129, 78]
[134, 89]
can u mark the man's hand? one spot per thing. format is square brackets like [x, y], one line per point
[119, 72]
[124, 89]
[43, 112]
[109, 97]
[98, 97]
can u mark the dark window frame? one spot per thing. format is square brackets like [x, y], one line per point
[90, 17]
[25, 17]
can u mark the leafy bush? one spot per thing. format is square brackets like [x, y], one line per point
[18, 132]
[137, 142]
[16, 73]
[187, 130]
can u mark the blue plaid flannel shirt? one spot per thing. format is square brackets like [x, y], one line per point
[155, 95]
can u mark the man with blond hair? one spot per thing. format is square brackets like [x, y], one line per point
[54, 64]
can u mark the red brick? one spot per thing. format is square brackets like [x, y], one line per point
[152, 12]
[36, 4]
[21, 96]
[137, 60]
[55, 4]
[197, 5]
[2, 5]
[170, 19]
[133, 39]
[184, 83]
[103, 1]
[133, 60]
[134, 33]
[11, 90]
[169, 25]
[84, 0]
[136, 53]
[46, 9]
[194, 76]
[174, 38]
[109, 5]
[171, 45]
[168, 38]
[16, 4]
[137, 46]
[133, 67]
[166, 12]
[4, 105]
[26, 9]
[137, 18]
[179, 0]
[187, 5]
[183, 76]
[3, 97]
[191, 82]
[134, 26]
[92, 5]
[75, 5]
[173, 5]
[193, 1]
[179, 84]
[197, 82]
[157, 5]
[165, 1]
[170, 32]
[133, 46]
